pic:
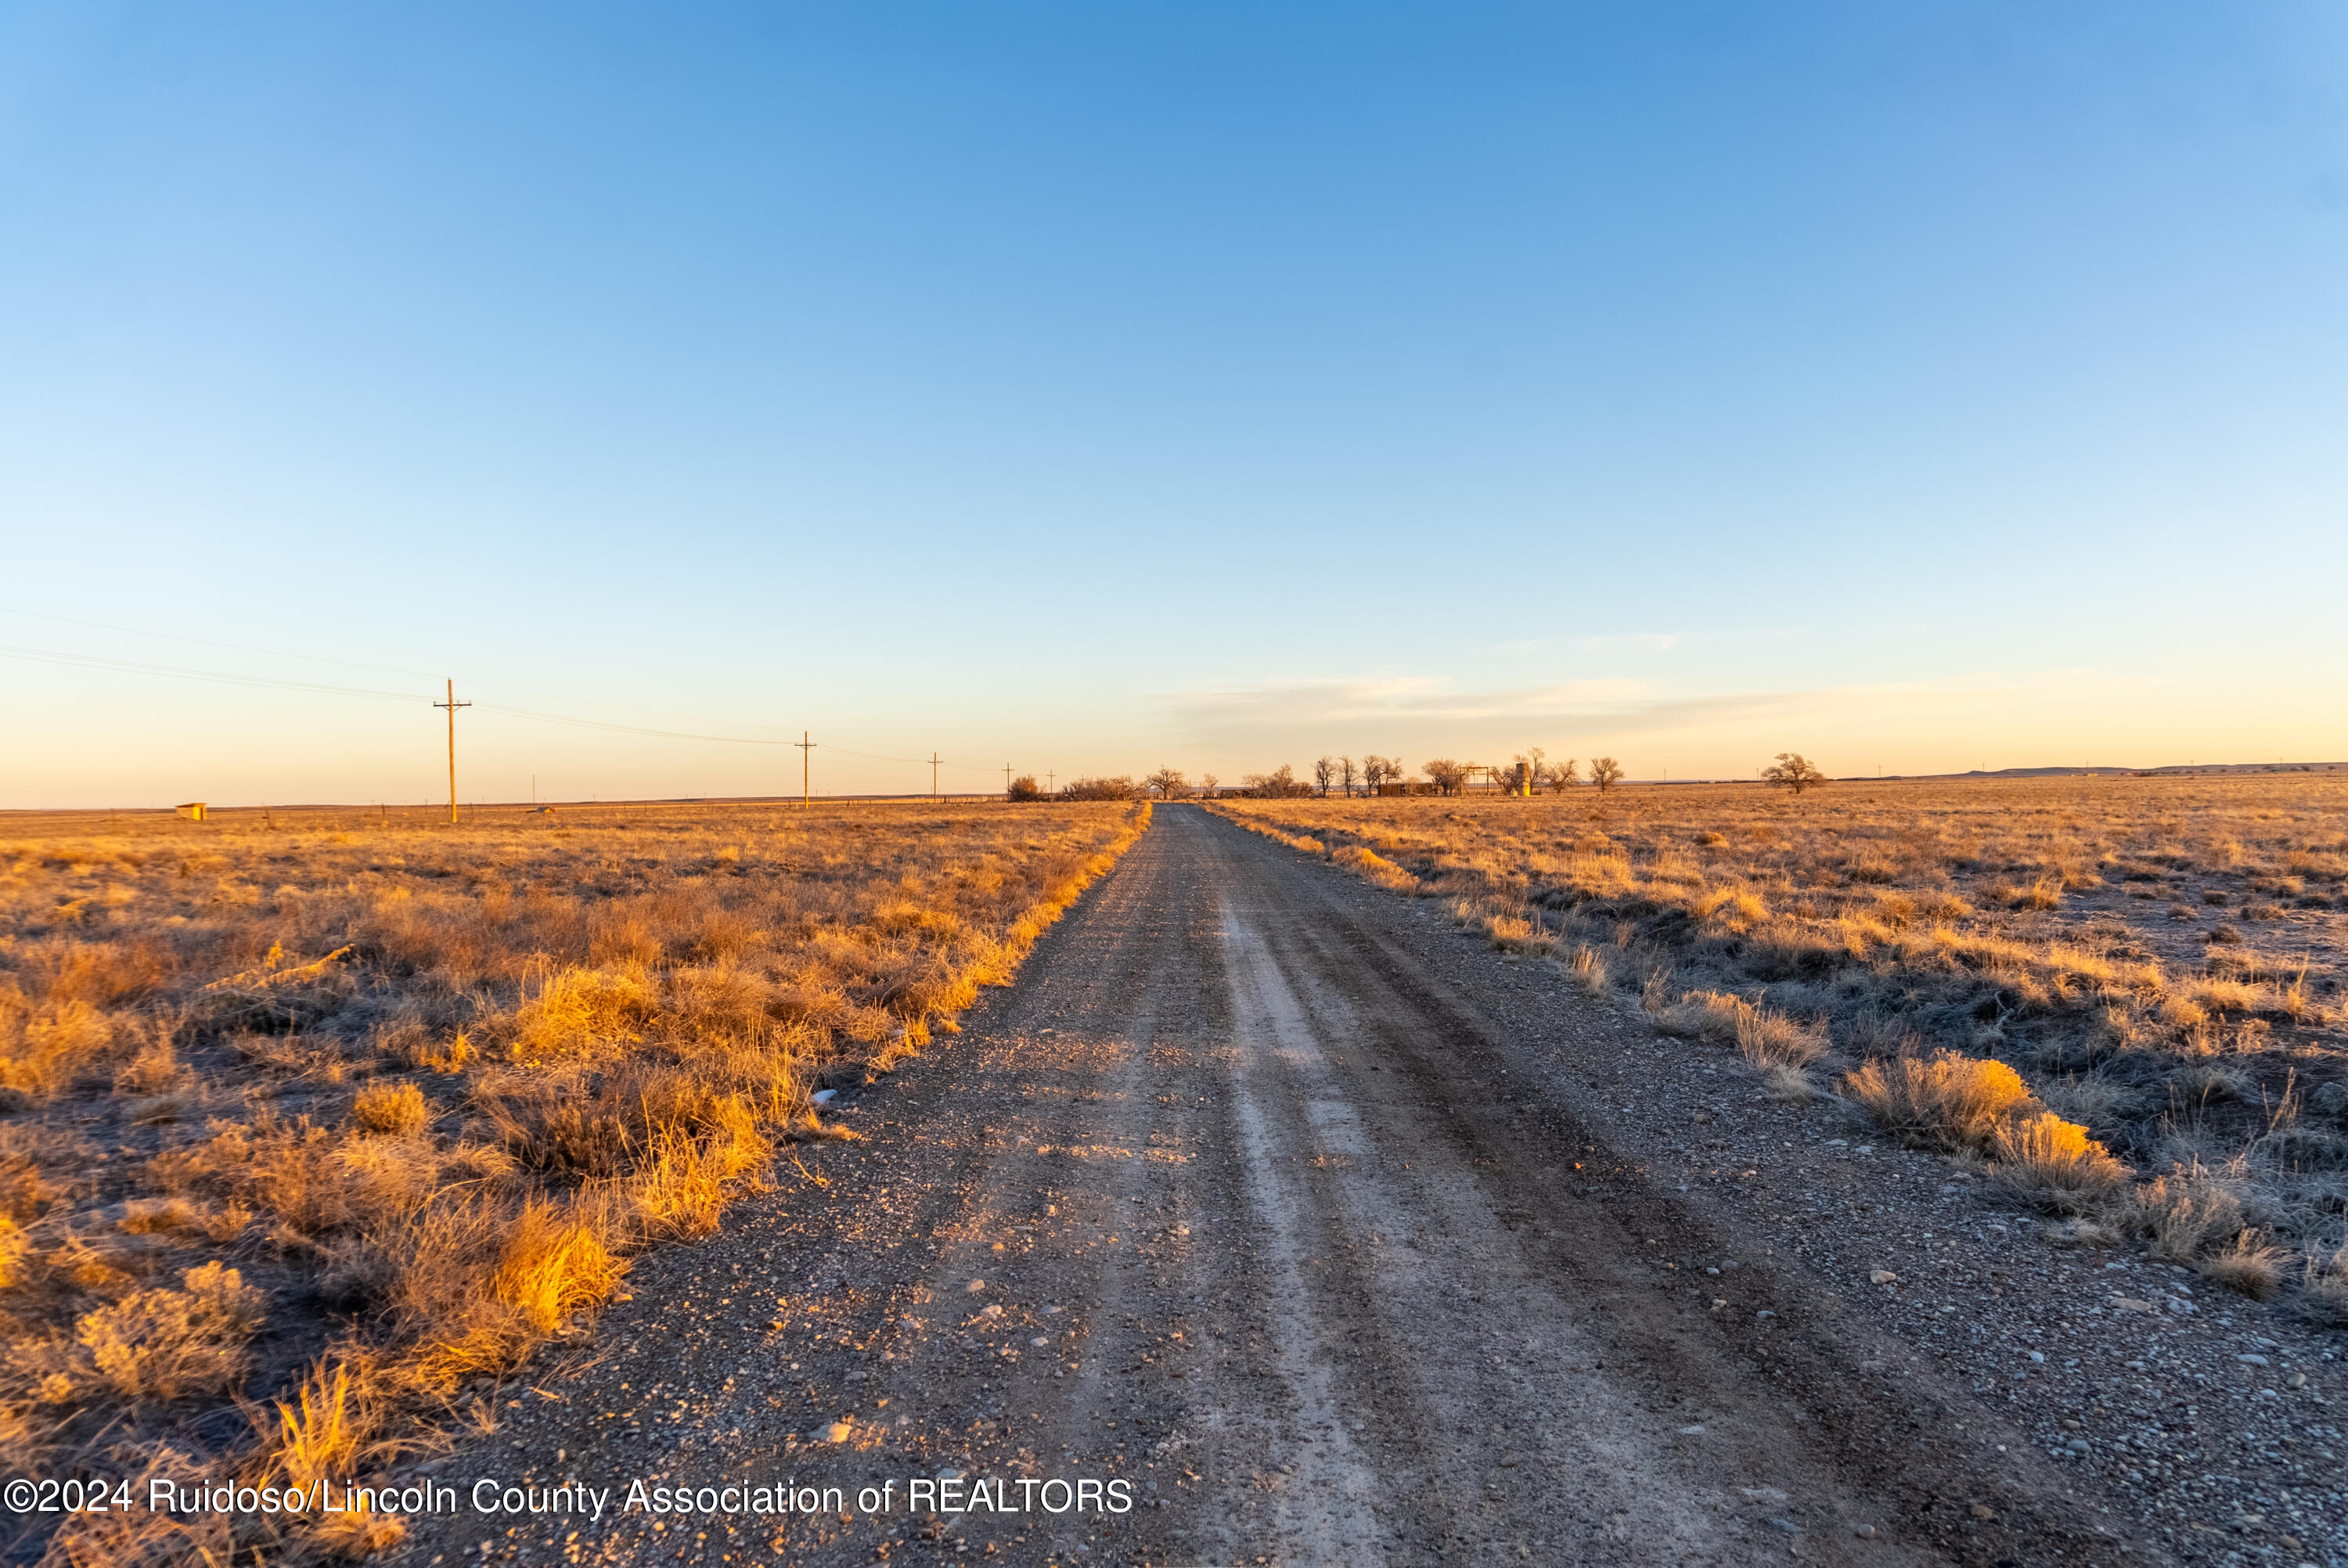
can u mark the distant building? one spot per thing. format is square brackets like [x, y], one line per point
[193, 811]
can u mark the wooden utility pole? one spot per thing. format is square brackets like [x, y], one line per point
[807, 752]
[1051, 780]
[1006, 781]
[934, 775]
[452, 705]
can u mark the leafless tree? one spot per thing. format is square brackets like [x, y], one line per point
[1324, 773]
[1281, 784]
[1168, 783]
[1795, 771]
[1345, 775]
[1605, 773]
[1448, 776]
[1207, 783]
[1559, 776]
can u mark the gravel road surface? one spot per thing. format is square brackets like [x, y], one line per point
[1245, 1229]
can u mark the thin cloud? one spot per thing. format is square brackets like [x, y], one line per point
[1611, 707]
[1612, 642]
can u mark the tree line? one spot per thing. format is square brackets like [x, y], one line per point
[1530, 772]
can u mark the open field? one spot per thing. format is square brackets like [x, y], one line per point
[318, 1124]
[2159, 961]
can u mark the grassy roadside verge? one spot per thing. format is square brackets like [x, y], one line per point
[316, 1128]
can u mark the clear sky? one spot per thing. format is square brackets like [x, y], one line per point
[1093, 387]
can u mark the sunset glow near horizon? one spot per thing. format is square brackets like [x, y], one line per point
[1091, 392]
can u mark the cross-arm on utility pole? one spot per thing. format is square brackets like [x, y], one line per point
[806, 750]
[452, 705]
[934, 775]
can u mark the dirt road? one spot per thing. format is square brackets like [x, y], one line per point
[1242, 1199]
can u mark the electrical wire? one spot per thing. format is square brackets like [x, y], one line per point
[177, 671]
[380, 668]
[220, 677]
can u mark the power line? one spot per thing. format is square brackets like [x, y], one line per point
[134, 667]
[270, 682]
[381, 669]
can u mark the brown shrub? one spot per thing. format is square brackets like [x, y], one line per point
[1588, 970]
[1771, 1040]
[2183, 1213]
[556, 1259]
[2053, 1164]
[2323, 1287]
[167, 1344]
[395, 1109]
[1949, 1102]
[47, 1047]
[2247, 1265]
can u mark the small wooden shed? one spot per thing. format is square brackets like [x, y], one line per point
[193, 811]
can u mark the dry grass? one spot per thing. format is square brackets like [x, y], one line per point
[2248, 1266]
[1949, 1102]
[2162, 960]
[336, 1117]
[2049, 1163]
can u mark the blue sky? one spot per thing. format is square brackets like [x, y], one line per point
[1091, 388]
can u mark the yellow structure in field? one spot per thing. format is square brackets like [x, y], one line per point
[193, 811]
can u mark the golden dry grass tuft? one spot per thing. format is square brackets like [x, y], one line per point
[1948, 1101]
[440, 1082]
[2247, 1266]
[1374, 868]
[398, 1109]
[2049, 1163]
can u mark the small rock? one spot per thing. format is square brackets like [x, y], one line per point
[1785, 1525]
[1883, 1277]
[2296, 1381]
[1864, 1532]
[1040, 1341]
[2251, 1361]
[2130, 1304]
[975, 1285]
[2179, 1305]
[1982, 1510]
[835, 1433]
[990, 1310]
[824, 1096]
[2039, 1356]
